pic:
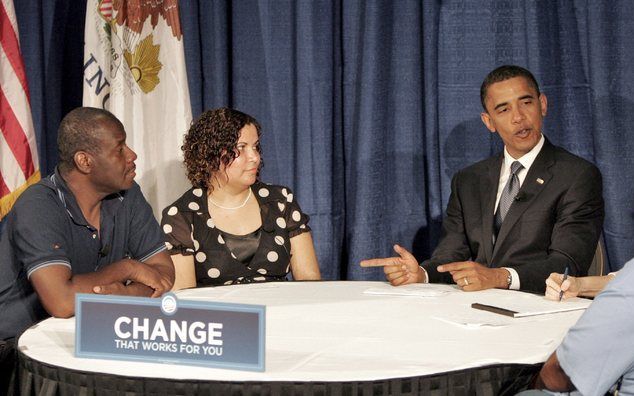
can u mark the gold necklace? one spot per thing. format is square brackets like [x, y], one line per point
[231, 208]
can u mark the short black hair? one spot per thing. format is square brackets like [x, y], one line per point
[80, 131]
[504, 73]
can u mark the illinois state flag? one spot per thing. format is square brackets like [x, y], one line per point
[134, 66]
[19, 166]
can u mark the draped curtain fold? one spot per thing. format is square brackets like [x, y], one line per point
[369, 107]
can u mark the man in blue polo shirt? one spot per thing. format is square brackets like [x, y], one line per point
[597, 355]
[86, 228]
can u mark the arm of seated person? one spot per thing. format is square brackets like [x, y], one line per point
[585, 286]
[304, 264]
[591, 286]
[185, 273]
[160, 261]
[553, 377]
[400, 270]
[56, 285]
[472, 276]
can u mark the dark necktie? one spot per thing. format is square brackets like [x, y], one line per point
[508, 195]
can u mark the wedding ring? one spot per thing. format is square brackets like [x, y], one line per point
[466, 282]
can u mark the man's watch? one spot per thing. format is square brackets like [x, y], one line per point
[509, 280]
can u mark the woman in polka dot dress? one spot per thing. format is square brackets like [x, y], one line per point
[230, 228]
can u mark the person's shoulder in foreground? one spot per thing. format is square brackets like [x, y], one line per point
[514, 218]
[85, 228]
[597, 354]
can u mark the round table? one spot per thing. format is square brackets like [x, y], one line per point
[326, 338]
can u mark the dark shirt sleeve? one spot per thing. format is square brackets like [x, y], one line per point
[296, 220]
[40, 231]
[453, 245]
[176, 226]
[145, 238]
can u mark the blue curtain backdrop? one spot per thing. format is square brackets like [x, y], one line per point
[369, 107]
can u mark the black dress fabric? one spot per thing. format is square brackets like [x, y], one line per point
[190, 230]
[243, 246]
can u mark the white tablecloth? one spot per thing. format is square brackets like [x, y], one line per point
[333, 331]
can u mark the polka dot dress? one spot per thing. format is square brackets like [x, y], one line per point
[189, 230]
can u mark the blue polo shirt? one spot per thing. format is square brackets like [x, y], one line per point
[46, 227]
[599, 348]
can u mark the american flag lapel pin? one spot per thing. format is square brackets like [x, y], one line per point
[540, 180]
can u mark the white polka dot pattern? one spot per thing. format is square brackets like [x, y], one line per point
[296, 215]
[268, 266]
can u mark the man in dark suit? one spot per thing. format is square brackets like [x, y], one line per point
[514, 218]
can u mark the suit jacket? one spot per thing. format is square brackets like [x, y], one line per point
[554, 222]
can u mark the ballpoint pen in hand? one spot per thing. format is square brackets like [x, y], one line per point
[561, 293]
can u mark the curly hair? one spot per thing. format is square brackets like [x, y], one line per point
[80, 130]
[503, 73]
[211, 142]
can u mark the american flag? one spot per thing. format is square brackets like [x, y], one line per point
[19, 165]
[105, 8]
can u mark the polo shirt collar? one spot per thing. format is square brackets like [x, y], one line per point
[109, 205]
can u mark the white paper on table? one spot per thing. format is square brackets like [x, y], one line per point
[474, 319]
[415, 289]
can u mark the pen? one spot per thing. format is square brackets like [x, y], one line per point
[561, 293]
